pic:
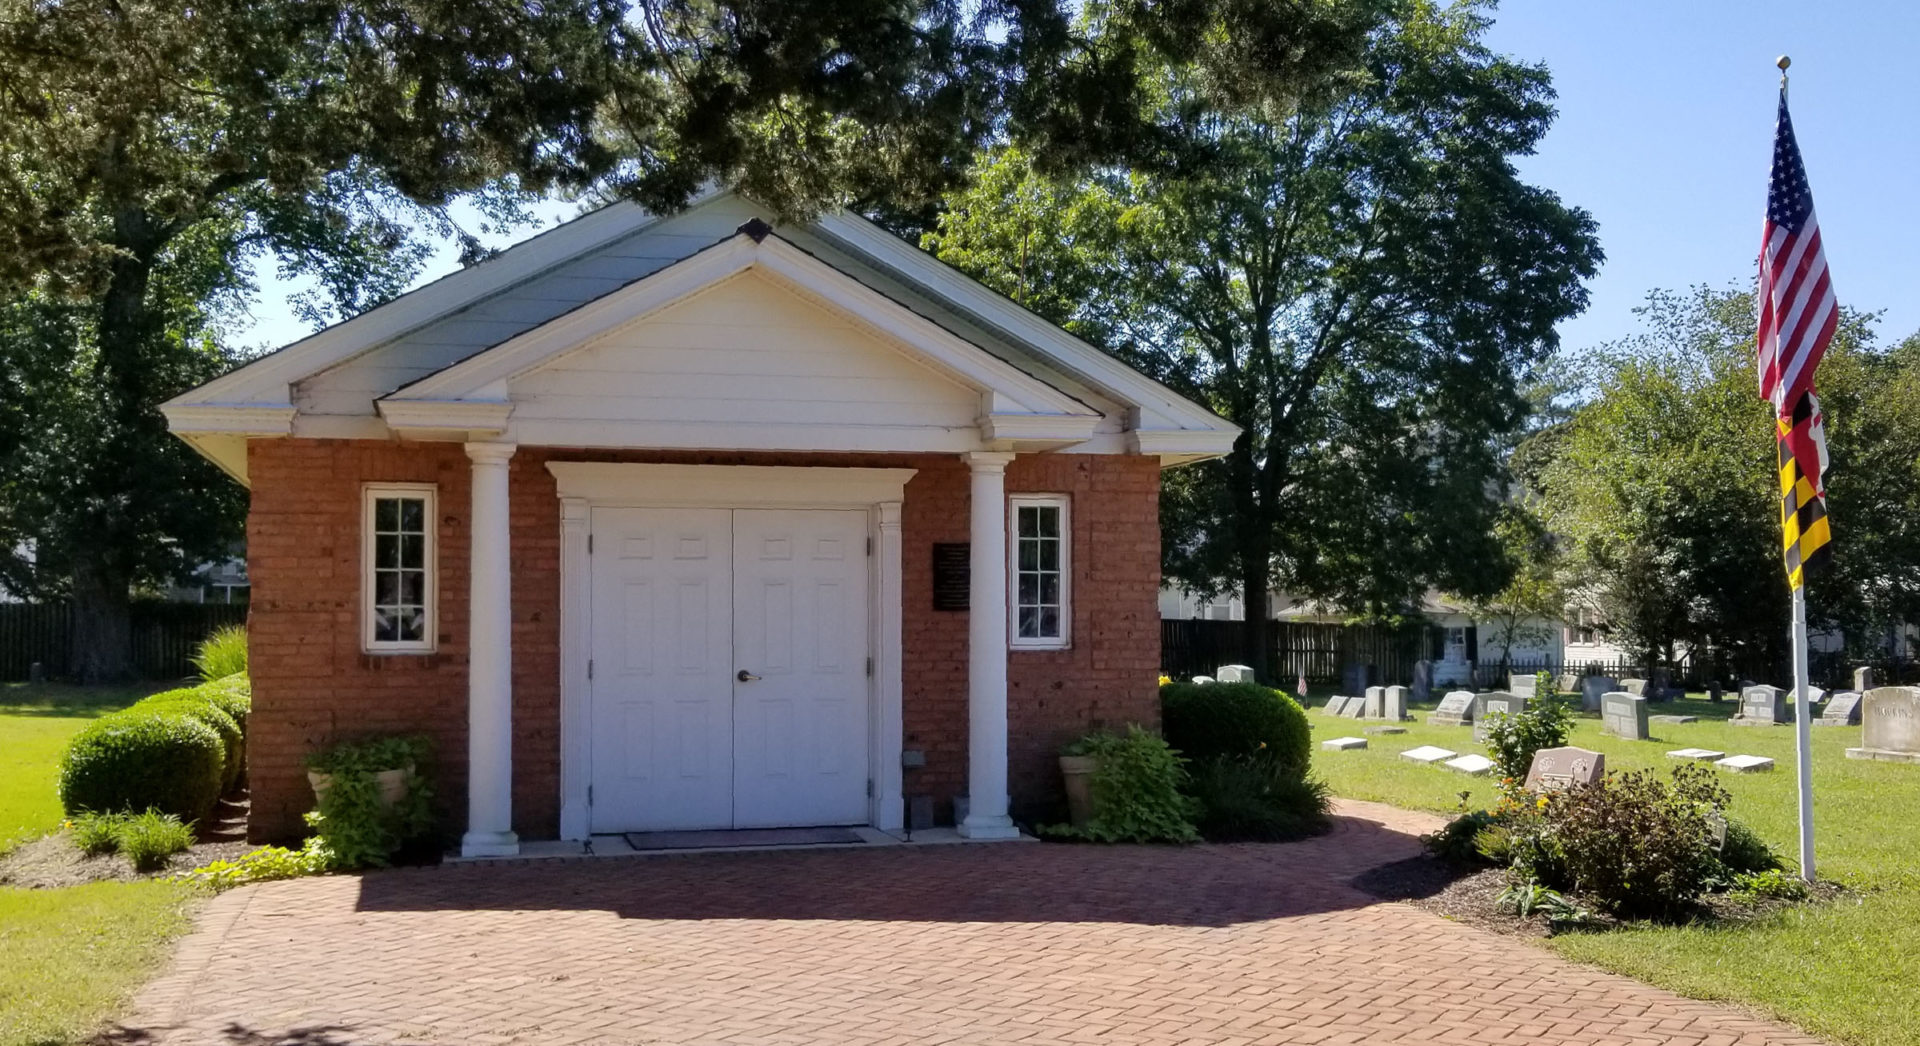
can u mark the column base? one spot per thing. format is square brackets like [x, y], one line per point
[980, 827]
[489, 844]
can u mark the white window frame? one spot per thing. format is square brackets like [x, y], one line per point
[1064, 504]
[371, 493]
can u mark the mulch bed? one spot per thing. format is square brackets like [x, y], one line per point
[1468, 895]
[53, 861]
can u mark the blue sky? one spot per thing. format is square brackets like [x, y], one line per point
[1665, 132]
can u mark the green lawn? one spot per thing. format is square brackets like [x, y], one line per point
[68, 957]
[1850, 971]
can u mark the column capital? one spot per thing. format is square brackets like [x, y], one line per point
[988, 460]
[486, 452]
[889, 515]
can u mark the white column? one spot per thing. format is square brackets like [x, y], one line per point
[890, 815]
[575, 611]
[490, 661]
[987, 652]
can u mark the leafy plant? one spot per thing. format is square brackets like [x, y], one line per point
[1204, 721]
[1513, 739]
[222, 654]
[1635, 844]
[1249, 797]
[148, 839]
[1745, 851]
[1457, 840]
[354, 826]
[96, 834]
[265, 864]
[1774, 883]
[1135, 790]
[163, 758]
[1530, 897]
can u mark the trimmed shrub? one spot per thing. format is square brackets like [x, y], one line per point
[232, 695]
[156, 757]
[222, 654]
[195, 703]
[1249, 798]
[1204, 721]
[1136, 791]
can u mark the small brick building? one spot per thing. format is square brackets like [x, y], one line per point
[694, 522]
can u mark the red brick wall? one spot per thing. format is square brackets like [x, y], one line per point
[312, 683]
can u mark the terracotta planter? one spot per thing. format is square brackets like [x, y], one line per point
[1078, 770]
[392, 784]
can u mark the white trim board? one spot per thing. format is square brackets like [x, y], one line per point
[583, 486]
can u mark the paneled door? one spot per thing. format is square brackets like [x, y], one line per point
[800, 694]
[662, 678]
[729, 681]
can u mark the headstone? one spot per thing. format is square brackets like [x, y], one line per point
[1696, 754]
[1356, 678]
[1334, 705]
[1422, 681]
[1427, 754]
[1890, 725]
[1376, 702]
[1477, 765]
[1713, 691]
[1636, 687]
[1344, 744]
[1568, 683]
[1372, 730]
[1489, 705]
[1764, 705]
[1842, 710]
[1660, 686]
[1456, 709]
[1395, 704]
[1745, 764]
[1815, 695]
[1523, 685]
[37, 673]
[1234, 674]
[1356, 708]
[1673, 720]
[1593, 688]
[1863, 678]
[1624, 715]
[1554, 769]
[1203, 679]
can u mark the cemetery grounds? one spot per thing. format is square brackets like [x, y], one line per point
[68, 956]
[1849, 970]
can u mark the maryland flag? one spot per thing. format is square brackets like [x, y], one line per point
[1797, 318]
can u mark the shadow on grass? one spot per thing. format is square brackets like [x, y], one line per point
[71, 701]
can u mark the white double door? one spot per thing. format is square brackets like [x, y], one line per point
[729, 678]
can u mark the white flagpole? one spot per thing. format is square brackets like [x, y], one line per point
[1803, 731]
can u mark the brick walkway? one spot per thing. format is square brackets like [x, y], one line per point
[925, 946]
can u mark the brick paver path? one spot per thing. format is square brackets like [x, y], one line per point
[924, 946]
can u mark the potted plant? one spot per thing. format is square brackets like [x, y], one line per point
[391, 761]
[1077, 767]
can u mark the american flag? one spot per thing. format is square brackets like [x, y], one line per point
[1797, 318]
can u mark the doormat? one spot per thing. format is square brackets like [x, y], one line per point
[727, 837]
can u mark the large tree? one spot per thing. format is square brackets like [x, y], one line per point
[1358, 281]
[149, 147]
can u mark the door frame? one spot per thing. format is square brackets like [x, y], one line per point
[586, 485]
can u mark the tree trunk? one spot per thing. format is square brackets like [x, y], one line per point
[101, 643]
[1256, 577]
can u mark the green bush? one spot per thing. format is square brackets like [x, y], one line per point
[148, 839]
[353, 827]
[1512, 739]
[1250, 798]
[1204, 721]
[222, 654]
[196, 703]
[1774, 883]
[96, 834]
[1634, 844]
[1745, 852]
[1135, 790]
[156, 757]
[1456, 840]
[232, 695]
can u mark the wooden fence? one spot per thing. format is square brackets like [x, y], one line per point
[164, 636]
[1319, 651]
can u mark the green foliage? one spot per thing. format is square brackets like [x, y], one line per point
[231, 694]
[1745, 852]
[1634, 844]
[1357, 281]
[1458, 839]
[1205, 721]
[1527, 898]
[197, 704]
[1513, 739]
[1136, 791]
[353, 826]
[163, 758]
[222, 654]
[1254, 798]
[262, 865]
[1773, 883]
[147, 839]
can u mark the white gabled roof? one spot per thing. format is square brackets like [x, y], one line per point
[432, 355]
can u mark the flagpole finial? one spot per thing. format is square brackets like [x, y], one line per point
[1783, 61]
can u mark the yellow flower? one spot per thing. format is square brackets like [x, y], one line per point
[1542, 804]
[1164, 680]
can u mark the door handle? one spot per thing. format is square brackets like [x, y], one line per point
[745, 676]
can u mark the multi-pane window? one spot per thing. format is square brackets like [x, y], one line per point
[399, 567]
[1040, 570]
